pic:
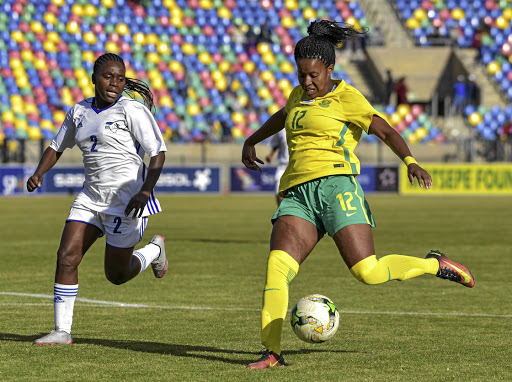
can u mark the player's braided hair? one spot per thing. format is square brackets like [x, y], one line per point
[324, 36]
[132, 84]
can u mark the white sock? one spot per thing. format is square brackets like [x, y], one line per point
[63, 305]
[146, 255]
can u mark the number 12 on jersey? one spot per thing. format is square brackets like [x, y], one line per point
[296, 119]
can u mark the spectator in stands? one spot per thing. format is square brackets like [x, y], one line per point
[226, 135]
[238, 36]
[251, 39]
[114, 133]
[401, 90]
[506, 131]
[264, 34]
[376, 36]
[390, 85]
[460, 94]
[358, 47]
[477, 44]
[278, 145]
[473, 91]
[434, 38]
[454, 33]
[324, 119]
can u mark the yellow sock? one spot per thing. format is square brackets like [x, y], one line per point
[281, 269]
[392, 267]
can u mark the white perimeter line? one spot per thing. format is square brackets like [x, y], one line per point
[127, 305]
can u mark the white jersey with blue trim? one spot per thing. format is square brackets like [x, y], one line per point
[278, 141]
[113, 143]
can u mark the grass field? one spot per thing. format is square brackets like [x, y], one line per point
[201, 321]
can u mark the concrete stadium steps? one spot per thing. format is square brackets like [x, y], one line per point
[356, 67]
[421, 67]
[381, 13]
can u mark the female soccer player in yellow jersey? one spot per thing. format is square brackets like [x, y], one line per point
[324, 119]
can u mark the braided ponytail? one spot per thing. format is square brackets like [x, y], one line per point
[324, 36]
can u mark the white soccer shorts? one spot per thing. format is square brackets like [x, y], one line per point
[120, 231]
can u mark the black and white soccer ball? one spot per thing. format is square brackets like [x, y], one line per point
[315, 318]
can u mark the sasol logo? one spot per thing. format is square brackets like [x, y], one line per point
[68, 180]
[199, 179]
[177, 179]
[12, 184]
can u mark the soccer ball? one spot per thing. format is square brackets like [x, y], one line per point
[315, 318]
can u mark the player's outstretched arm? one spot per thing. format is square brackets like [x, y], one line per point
[48, 160]
[139, 201]
[273, 125]
[396, 143]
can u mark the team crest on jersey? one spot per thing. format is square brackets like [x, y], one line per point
[115, 125]
[325, 103]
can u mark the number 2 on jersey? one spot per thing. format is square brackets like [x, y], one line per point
[94, 141]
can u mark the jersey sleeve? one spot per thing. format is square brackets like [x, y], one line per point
[65, 138]
[144, 128]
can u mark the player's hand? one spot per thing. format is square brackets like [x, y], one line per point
[424, 178]
[137, 205]
[34, 182]
[249, 158]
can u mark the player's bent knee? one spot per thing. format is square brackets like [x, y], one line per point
[116, 278]
[363, 270]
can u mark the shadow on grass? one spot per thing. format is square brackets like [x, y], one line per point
[208, 353]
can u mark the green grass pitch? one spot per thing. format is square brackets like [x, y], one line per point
[201, 321]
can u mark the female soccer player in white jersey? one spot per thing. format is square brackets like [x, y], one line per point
[278, 145]
[324, 119]
[114, 133]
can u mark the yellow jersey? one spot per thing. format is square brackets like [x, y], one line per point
[322, 133]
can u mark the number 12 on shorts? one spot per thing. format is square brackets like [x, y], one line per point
[345, 203]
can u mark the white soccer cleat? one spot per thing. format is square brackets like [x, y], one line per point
[55, 337]
[159, 265]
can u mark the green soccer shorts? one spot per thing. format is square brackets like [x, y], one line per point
[330, 203]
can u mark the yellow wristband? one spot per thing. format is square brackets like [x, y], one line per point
[409, 160]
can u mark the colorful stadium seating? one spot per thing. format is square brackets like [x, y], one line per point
[213, 76]
[463, 19]
[490, 124]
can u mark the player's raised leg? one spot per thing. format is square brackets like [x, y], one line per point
[123, 264]
[355, 243]
[76, 239]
